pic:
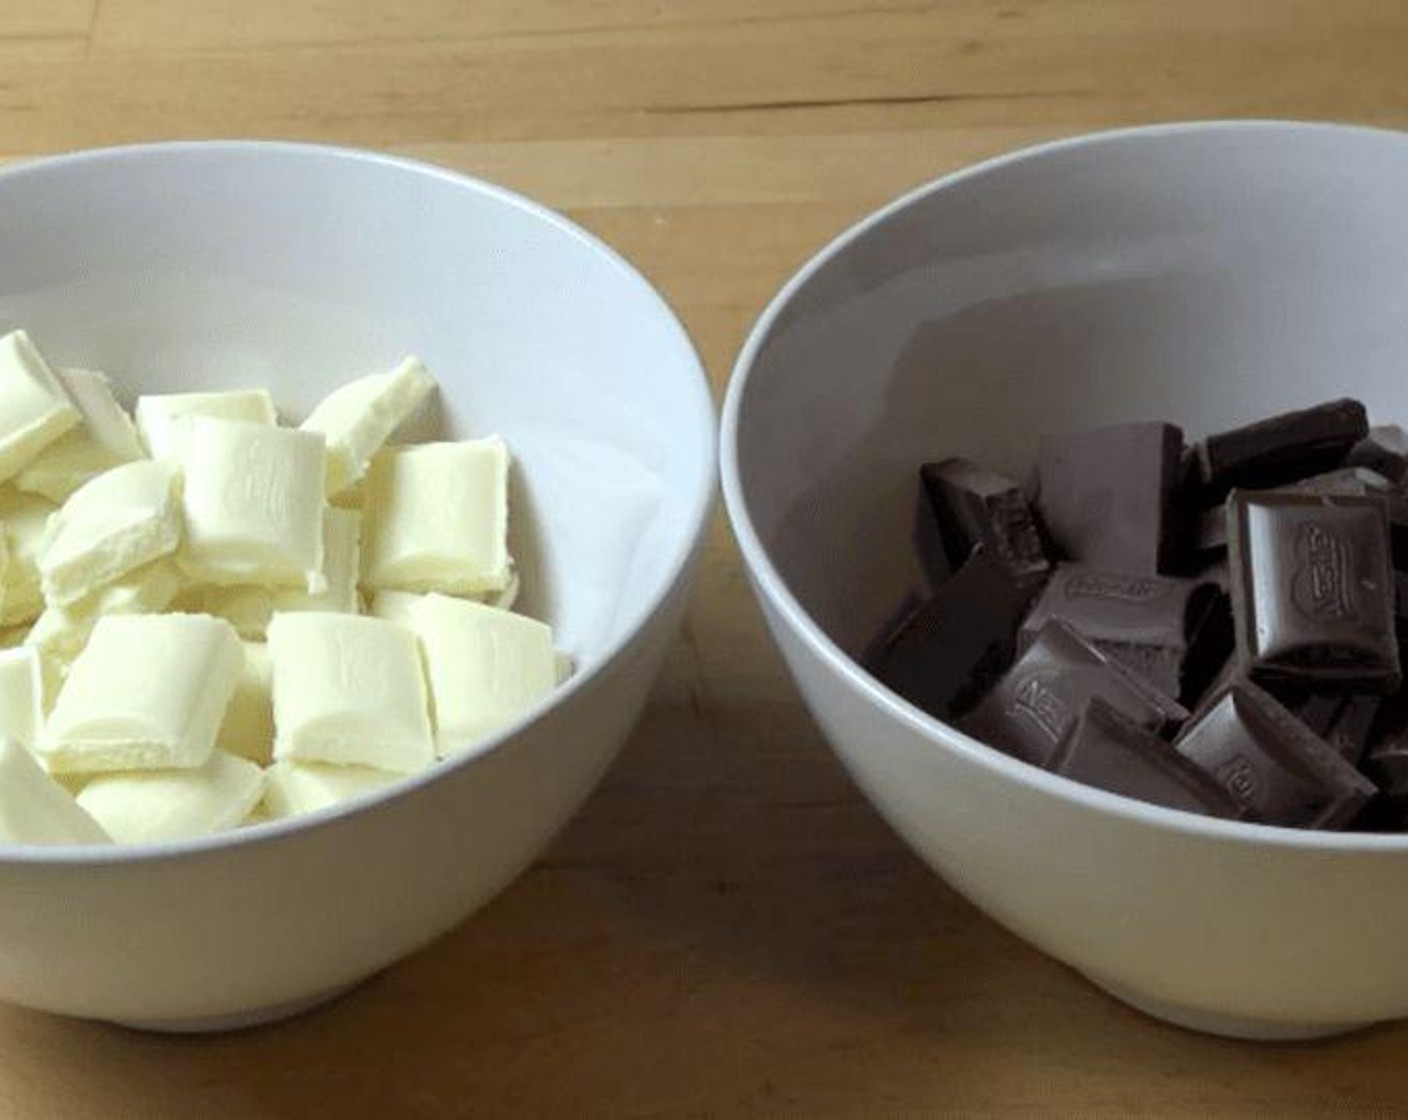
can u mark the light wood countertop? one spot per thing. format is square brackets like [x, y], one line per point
[727, 928]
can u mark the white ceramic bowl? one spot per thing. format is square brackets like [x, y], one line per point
[213, 264]
[1207, 273]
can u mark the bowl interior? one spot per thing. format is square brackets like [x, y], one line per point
[1206, 274]
[180, 267]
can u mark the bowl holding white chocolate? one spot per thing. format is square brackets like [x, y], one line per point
[311, 645]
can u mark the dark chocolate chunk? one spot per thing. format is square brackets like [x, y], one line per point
[1342, 719]
[957, 642]
[1312, 590]
[1343, 482]
[1037, 700]
[1106, 749]
[1397, 504]
[1384, 449]
[1270, 763]
[1385, 762]
[1282, 448]
[1106, 495]
[1210, 534]
[1146, 622]
[974, 507]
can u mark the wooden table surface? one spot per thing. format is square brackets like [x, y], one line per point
[727, 928]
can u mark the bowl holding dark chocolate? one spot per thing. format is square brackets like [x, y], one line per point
[1072, 492]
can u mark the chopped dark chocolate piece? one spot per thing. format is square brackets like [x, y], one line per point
[1210, 540]
[1281, 449]
[1397, 504]
[1384, 449]
[1385, 762]
[1272, 764]
[1342, 719]
[1106, 749]
[1035, 702]
[1312, 589]
[1146, 622]
[973, 506]
[1343, 482]
[956, 643]
[1106, 495]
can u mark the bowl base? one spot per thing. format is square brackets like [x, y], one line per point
[239, 1020]
[1228, 1026]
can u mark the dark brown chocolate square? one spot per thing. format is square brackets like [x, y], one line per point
[1312, 590]
[1272, 764]
[1036, 701]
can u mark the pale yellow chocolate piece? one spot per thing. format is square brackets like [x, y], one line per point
[112, 525]
[163, 419]
[248, 730]
[249, 608]
[35, 409]
[62, 632]
[486, 666]
[36, 809]
[148, 806]
[349, 690]
[436, 518]
[357, 418]
[293, 788]
[253, 501]
[148, 691]
[25, 517]
[21, 694]
[104, 439]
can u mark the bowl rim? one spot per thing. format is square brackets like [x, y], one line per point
[700, 495]
[770, 585]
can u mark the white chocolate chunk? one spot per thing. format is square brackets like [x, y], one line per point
[148, 691]
[62, 632]
[349, 689]
[111, 526]
[148, 806]
[35, 809]
[291, 788]
[394, 606]
[25, 517]
[486, 666]
[437, 518]
[163, 419]
[248, 730]
[35, 408]
[249, 608]
[359, 417]
[21, 694]
[105, 439]
[254, 505]
[563, 668]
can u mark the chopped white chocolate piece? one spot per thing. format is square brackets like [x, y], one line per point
[21, 694]
[437, 518]
[148, 691]
[506, 598]
[147, 806]
[105, 439]
[163, 419]
[349, 689]
[292, 788]
[486, 666]
[111, 526]
[249, 608]
[248, 730]
[254, 504]
[562, 667]
[25, 517]
[359, 417]
[35, 809]
[35, 408]
[62, 632]
[394, 606]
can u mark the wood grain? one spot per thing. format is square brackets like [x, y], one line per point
[727, 929]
